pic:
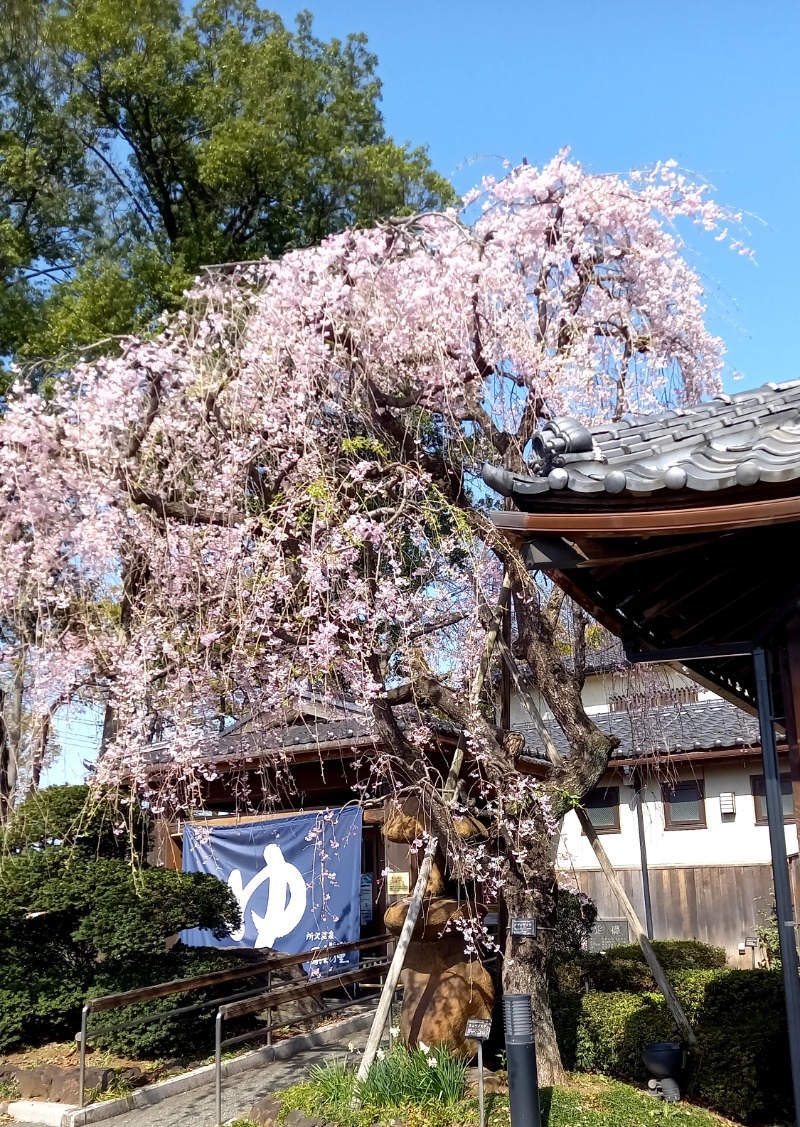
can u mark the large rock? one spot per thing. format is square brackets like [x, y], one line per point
[493, 1084]
[299, 1118]
[34, 1083]
[443, 989]
[60, 1085]
[433, 917]
[265, 1111]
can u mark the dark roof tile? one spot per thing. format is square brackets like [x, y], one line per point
[709, 441]
[656, 732]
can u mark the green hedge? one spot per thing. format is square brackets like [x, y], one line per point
[188, 1034]
[77, 915]
[624, 967]
[742, 1067]
[674, 954]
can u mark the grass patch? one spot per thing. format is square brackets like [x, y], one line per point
[9, 1090]
[429, 1078]
[588, 1101]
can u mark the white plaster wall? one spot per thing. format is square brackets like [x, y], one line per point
[727, 840]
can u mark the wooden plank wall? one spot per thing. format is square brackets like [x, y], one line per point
[720, 904]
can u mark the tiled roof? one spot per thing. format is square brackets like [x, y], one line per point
[733, 440]
[244, 742]
[701, 726]
[704, 726]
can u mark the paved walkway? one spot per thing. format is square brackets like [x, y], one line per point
[239, 1092]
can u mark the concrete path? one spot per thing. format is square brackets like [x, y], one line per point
[239, 1092]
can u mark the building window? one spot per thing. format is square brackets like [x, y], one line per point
[602, 807]
[760, 800]
[684, 805]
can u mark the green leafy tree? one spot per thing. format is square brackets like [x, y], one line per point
[139, 143]
[80, 907]
[48, 189]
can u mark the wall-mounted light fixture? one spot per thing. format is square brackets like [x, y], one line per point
[727, 802]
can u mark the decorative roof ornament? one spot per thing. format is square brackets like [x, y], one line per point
[559, 437]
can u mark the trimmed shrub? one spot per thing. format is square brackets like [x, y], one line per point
[613, 975]
[173, 1036]
[71, 816]
[614, 1027]
[742, 1067]
[675, 954]
[80, 908]
[625, 967]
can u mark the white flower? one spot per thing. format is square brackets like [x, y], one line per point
[380, 1054]
[432, 1062]
[351, 1048]
[425, 1048]
[394, 1030]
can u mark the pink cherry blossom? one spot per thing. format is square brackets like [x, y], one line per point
[275, 495]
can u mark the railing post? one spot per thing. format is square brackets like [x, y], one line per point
[269, 1012]
[218, 1066]
[82, 1071]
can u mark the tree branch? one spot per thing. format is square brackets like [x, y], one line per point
[172, 509]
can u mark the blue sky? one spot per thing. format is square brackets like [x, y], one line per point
[624, 83]
[714, 84]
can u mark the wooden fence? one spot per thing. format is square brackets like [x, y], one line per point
[720, 904]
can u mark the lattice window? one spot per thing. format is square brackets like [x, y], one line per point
[634, 702]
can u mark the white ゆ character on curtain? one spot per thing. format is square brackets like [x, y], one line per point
[286, 898]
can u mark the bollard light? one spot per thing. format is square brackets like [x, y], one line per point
[523, 1080]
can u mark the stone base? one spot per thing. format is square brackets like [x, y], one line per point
[61, 1085]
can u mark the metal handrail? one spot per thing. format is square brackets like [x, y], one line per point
[293, 991]
[198, 982]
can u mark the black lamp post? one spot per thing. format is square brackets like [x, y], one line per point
[523, 1079]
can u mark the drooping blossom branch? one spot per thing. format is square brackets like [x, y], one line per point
[278, 493]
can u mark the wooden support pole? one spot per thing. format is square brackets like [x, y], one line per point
[395, 967]
[634, 922]
[635, 925]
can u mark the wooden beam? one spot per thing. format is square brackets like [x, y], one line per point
[649, 522]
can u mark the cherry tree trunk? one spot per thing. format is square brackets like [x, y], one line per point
[525, 966]
[11, 738]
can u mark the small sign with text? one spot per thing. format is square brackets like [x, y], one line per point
[524, 927]
[607, 934]
[399, 884]
[478, 1030]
